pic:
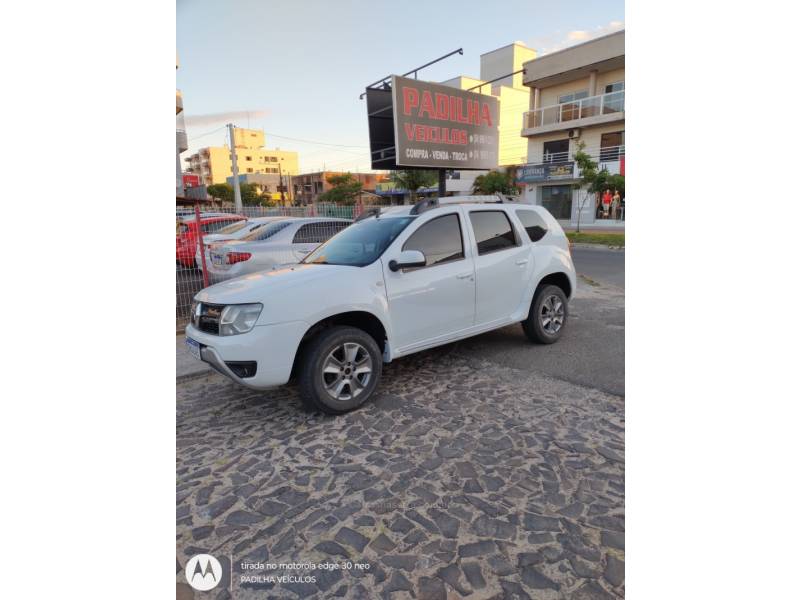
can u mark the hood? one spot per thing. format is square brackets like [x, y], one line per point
[260, 286]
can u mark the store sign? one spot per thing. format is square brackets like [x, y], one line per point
[428, 125]
[443, 127]
[191, 180]
[546, 172]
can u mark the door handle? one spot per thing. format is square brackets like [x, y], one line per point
[522, 261]
[464, 275]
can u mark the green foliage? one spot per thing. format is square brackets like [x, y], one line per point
[221, 191]
[494, 182]
[344, 191]
[594, 181]
[414, 179]
[250, 195]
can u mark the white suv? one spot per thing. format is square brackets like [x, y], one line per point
[393, 283]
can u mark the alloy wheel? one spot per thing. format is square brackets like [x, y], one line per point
[551, 314]
[346, 371]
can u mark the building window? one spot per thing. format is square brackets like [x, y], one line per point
[248, 158]
[615, 87]
[570, 106]
[612, 146]
[249, 170]
[558, 200]
[556, 151]
[273, 159]
[573, 97]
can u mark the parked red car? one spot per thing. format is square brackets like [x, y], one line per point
[186, 235]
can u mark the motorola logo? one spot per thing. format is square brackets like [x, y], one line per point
[203, 572]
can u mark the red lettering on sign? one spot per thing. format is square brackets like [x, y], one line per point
[409, 130]
[473, 112]
[486, 115]
[410, 99]
[427, 105]
[442, 106]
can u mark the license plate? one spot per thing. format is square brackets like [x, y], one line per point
[194, 348]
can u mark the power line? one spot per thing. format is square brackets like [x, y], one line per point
[315, 142]
[206, 133]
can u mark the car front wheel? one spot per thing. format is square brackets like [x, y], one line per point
[548, 315]
[340, 370]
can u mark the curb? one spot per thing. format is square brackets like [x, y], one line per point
[587, 246]
[193, 375]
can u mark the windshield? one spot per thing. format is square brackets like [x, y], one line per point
[360, 244]
[262, 233]
[234, 227]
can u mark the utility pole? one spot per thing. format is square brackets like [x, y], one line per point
[442, 183]
[237, 192]
[280, 184]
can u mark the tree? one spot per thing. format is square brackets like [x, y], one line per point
[344, 191]
[221, 191]
[594, 181]
[589, 177]
[250, 194]
[413, 179]
[494, 182]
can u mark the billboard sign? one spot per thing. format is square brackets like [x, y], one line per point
[546, 172]
[438, 126]
[419, 124]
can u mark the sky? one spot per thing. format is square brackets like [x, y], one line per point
[295, 68]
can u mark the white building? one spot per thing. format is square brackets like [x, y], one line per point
[577, 95]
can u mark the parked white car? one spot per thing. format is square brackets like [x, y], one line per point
[391, 284]
[286, 241]
[235, 231]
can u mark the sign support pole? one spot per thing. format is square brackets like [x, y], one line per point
[442, 183]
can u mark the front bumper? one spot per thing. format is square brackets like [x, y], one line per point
[272, 347]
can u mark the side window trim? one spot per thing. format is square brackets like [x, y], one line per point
[517, 237]
[447, 262]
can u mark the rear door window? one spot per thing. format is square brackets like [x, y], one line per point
[533, 223]
[439, 240]
[493, 231]
[316, 233]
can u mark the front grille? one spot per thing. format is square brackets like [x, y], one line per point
[208, 318]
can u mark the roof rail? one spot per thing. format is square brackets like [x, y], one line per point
[497, 198]
[376, 212]
[429, 203]
[423, 205]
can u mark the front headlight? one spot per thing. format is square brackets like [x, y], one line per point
[238, 318]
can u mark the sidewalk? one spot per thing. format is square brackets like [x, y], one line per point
[186, 365]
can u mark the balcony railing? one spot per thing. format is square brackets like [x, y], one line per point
[593, 106]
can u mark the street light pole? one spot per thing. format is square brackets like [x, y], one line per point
[237, 192]
[280, 184]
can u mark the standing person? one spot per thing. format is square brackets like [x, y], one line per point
[615, 204]
[606, 203]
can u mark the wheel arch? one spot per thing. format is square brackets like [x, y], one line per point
[361, 319]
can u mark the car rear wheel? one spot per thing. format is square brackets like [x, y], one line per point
[548, 315]
[340, 370]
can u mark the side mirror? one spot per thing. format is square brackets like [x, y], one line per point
[407, 260]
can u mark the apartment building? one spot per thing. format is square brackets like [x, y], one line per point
[307, 187]
[214, 164]
[577, 95]
[513, 98]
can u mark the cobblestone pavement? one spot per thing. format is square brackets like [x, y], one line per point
[462, 479]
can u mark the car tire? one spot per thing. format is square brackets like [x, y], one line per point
[548, 315]
[339, 370]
